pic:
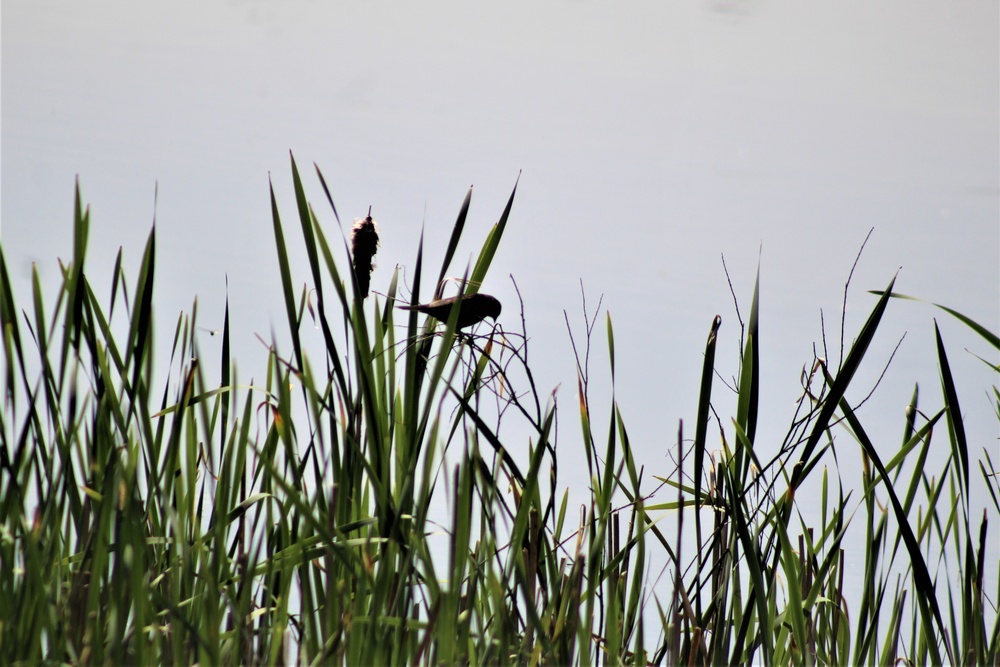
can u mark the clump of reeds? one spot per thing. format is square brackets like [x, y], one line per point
[366, 504]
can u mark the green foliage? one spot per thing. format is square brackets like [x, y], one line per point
[364, 506]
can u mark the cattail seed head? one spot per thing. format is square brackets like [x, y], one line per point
[364, 245]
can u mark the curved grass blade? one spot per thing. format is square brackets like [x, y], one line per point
[456, 235]
[839, 386]
[492, 242]
[286, 278]
[925, 595]
[701, 435]
[9, 331]
[225, 370]
[987, 335]
[142, 321]
[749, 396]
[956, 426]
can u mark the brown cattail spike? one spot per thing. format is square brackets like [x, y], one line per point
[364, 245]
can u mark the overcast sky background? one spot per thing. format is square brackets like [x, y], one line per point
[651, 138]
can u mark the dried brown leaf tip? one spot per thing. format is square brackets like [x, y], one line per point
[364, 245]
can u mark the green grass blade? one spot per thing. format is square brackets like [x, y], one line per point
[987, 335]
[840, 384]
[286, 278]
[489, 248]
[456, 235]
[956, 425]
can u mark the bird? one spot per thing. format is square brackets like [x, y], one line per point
[473, 309]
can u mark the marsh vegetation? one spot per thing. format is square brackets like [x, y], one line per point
[369, 505]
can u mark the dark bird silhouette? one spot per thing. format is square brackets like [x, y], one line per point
[473, 309]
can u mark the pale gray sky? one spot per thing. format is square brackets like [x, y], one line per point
[652, 137]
